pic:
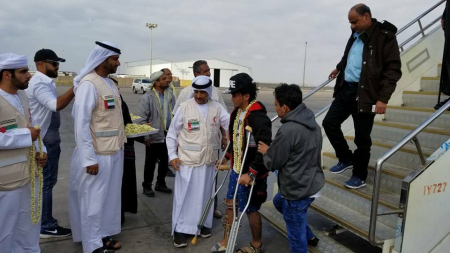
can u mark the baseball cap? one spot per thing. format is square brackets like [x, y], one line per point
[238, 82]
[47, 55]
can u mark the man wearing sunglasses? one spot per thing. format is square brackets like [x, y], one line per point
[45, 106]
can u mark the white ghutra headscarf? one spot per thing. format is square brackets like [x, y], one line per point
[13, 61]
[203, 83]
[101, 52]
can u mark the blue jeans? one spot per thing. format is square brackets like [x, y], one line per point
[50, 178]
[294, 214]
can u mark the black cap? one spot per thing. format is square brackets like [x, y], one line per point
[47, 55]
[238, 82]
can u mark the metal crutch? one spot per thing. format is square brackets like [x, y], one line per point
[237, 219]
[201, 222]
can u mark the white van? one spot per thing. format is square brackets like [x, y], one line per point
[140, 84]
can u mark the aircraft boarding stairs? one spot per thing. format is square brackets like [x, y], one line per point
[411, 104]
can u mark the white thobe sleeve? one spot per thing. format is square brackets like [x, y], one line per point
[45, 96]
[172, 134]
[85, 101]
[36, 143]
[224, 119]
[15, 139]
[182, 96]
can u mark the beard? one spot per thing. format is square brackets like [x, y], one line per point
[112, 69]
[51, 73]
[19, 85]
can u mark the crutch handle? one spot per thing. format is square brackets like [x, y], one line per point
[224, 167]
[249, 128]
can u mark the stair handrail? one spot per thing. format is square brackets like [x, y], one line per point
[417, 20]
[379, 166]
[316, 89]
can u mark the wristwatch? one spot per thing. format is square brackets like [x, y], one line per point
[251, 175]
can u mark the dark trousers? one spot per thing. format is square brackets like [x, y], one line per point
[343, 106]
[50, 172]
[156, 151]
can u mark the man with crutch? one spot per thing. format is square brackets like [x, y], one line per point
[252, 113]
[193, 142]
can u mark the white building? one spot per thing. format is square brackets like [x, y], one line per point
[221, 71]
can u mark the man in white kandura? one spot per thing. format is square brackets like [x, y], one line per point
[97, 162]
[19, 226]
[193, 142]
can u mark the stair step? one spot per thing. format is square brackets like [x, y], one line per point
[415, 116]
[360, 200]
[387, 199]
[430, 137]
[406, 157]
[430, 83]
[350, 219]
[391, 179]
[423, 99]
[326, 244]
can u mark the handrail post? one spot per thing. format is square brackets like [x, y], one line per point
[374, 206]
[421, 28]
[419, 150]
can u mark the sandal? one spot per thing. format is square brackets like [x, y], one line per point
[109, 243]
[218, 248]
[251, 249]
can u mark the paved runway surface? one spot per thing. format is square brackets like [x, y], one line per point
[149, 229]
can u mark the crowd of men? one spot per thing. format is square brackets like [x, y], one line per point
[193, 129]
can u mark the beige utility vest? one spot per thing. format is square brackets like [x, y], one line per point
[14, 163]
[199, 141]
[107, 128]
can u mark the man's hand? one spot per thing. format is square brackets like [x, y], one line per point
[380, 107]
[442, 24]
[262, 147]
[148, 143]
[223, 143]
[41, 160]
[34, 133]
[333, 74]
[175, 163]
[218, 164]
[245, 180]
[93, 169]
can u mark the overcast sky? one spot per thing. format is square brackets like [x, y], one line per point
[267, 35]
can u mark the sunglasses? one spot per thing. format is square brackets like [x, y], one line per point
[53, 63]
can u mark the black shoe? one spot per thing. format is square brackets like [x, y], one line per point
[313, 242]
[439, 105]
[149, 192]
[55, 232]
[205, 232]
[179, 240]
[102, 250]
[163, 188]
[170, 173]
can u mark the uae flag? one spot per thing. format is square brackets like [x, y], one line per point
[109, 103]
[193, 125]
[4, 129]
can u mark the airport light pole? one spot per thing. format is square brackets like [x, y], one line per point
[151, 27]
[304, 64]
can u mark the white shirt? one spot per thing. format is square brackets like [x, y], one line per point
[85, 102]
[177, 125]
[184, 93]
[42, 96]
[20, 137]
